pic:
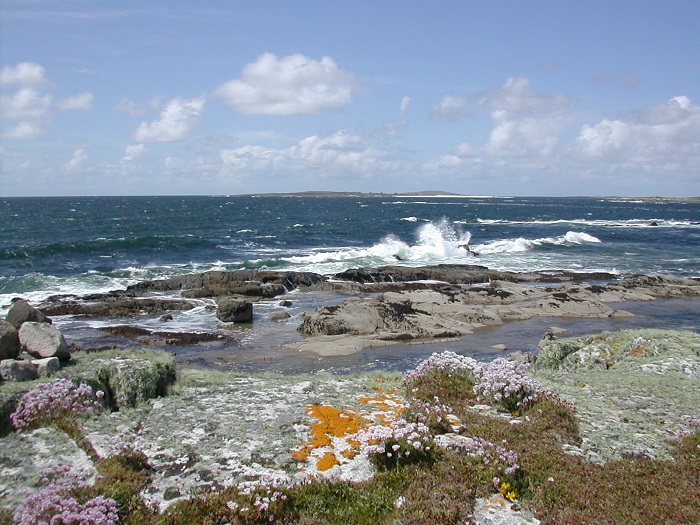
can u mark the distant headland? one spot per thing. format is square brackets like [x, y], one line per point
[438, 193]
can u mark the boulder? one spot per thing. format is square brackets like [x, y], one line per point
[15, 370]
[280, 316]
[9, 341]
[43, 340]
[28, 369]
[232, 310]
[22, 312]
[47, 366]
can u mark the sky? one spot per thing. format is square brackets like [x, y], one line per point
[546, 98]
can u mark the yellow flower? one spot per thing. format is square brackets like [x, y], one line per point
[511, 495]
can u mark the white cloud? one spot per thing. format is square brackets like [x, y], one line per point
[133, 152]
[24, 130]
[516, 97]
[449, 108]
[77, 162]
[335, 155]
[667, 134]
[24, 74]
[31, 106]
[178, 121]
[82, 101]
[293, 85]
[25, 104]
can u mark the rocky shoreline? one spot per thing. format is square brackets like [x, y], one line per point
[386, 305]
[207, 430]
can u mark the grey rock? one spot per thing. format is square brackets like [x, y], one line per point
[232, 310]
[280, 316]
[9, 341]
[15, 370]
[28, 369]
[22, 312]
[42, 340]
[47, 366]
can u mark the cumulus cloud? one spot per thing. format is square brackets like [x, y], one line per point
[134, 152]
[337, 154]
[77, 162]
[24, 130]
[662, 134]
[525, 123]
[293, 85]
[28, 108]
[25, 104]
[450, 108]
[82, 101]
[517, 97]
[177, 121]
[24, 74]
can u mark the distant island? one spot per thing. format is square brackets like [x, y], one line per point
[438, 193]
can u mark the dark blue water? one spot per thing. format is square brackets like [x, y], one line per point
[83, 245]
[95, 244]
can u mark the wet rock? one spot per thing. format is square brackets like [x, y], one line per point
[157, 338]
[232, 310]
[241, 282]
[43, 340]
[21, 312]
[108, 306]
[280, 316]
[9, 341]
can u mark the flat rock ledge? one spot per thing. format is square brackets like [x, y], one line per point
[451, 311]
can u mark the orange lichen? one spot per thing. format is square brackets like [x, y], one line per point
[303, 453]
[327, 462]
[386, 403]
[332, 422]
[639, 349]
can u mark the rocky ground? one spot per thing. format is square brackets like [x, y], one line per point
[633, 391]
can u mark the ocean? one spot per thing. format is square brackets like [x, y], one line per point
[81, 245]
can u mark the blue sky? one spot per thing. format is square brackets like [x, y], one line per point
[225, 97]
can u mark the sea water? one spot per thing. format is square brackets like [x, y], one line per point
[80, 245]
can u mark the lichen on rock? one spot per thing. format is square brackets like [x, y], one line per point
[634, 390]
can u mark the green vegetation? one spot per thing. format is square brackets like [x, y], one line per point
[557, 487]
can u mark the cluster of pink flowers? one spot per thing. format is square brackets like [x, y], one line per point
[262, 492]
[441, 362]
[434, 415]
[505, 382]
[54, 504]
[53, 400]
[127, 442]
[399, 442]
[490, 454]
